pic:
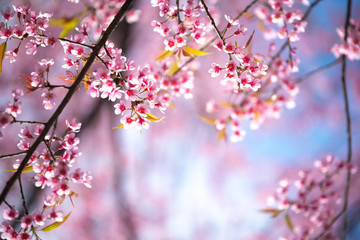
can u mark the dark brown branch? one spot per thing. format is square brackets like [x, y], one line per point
[212, 21]
[343, 211]
[348, 123]
[68, 96]
[178, 11]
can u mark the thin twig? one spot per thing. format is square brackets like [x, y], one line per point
[68, 96]
[212, 21]
[23, 197]
[27, 122]
[282, 48]
[77, 43]
[348, 123]
[317, 70]
[12, 154]
[178, 11]
[58, 86]
[214, 38]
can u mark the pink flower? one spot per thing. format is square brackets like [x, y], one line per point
[56, 215]
[86, 179]
[237, 135]
[7, 14]
[39, 219]
[26, 221]
[4, 120]
[133, 16]
[10, 213]
[62, 188]
[24, 144]
[220, 124]
[231, 66]
[120, 108]
[73, 125]
[229, 48]
[7, 231]
[180, 41]
[218, 44]
[23, 236]
[215, 70]
[14, 108]
[170, 44]
[127, 121]
[70, 141]
[48, 100]
[231, 22]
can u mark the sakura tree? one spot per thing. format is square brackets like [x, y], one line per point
[125, 119]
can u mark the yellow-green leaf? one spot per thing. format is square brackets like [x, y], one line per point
[261, 25]
[152, 118]
[257, 60]
[55, 224]
[208, 120]
[248, 15]
[274, 212]
[26, 169]
[173, 69]
[164, 55]
[120, 126]
[195, 52]
[226, 104]
[2, 54]
[249, 40]
[221, 135]
[67, 24]
[288, 222]
[172, 105]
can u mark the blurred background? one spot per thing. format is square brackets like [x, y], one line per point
[175, 180]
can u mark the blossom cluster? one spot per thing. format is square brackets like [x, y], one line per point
[134, 90]
[312, 201]
[31, 25]
[52, 171]
[248, 71]
[182, 25]
[285, 15]
[243, 72]
[350, 48]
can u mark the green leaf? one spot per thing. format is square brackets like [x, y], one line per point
[288, 222]
[26, 169]
[164, 55]
[208, 120]
[55, 224]
[152, 118]
[2, 54]
[120, 126]
[195, 52]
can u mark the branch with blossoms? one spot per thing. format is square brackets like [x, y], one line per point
[324, 214]
[258, 86]
[51, 169]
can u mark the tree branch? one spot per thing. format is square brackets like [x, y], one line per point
[68, 96]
